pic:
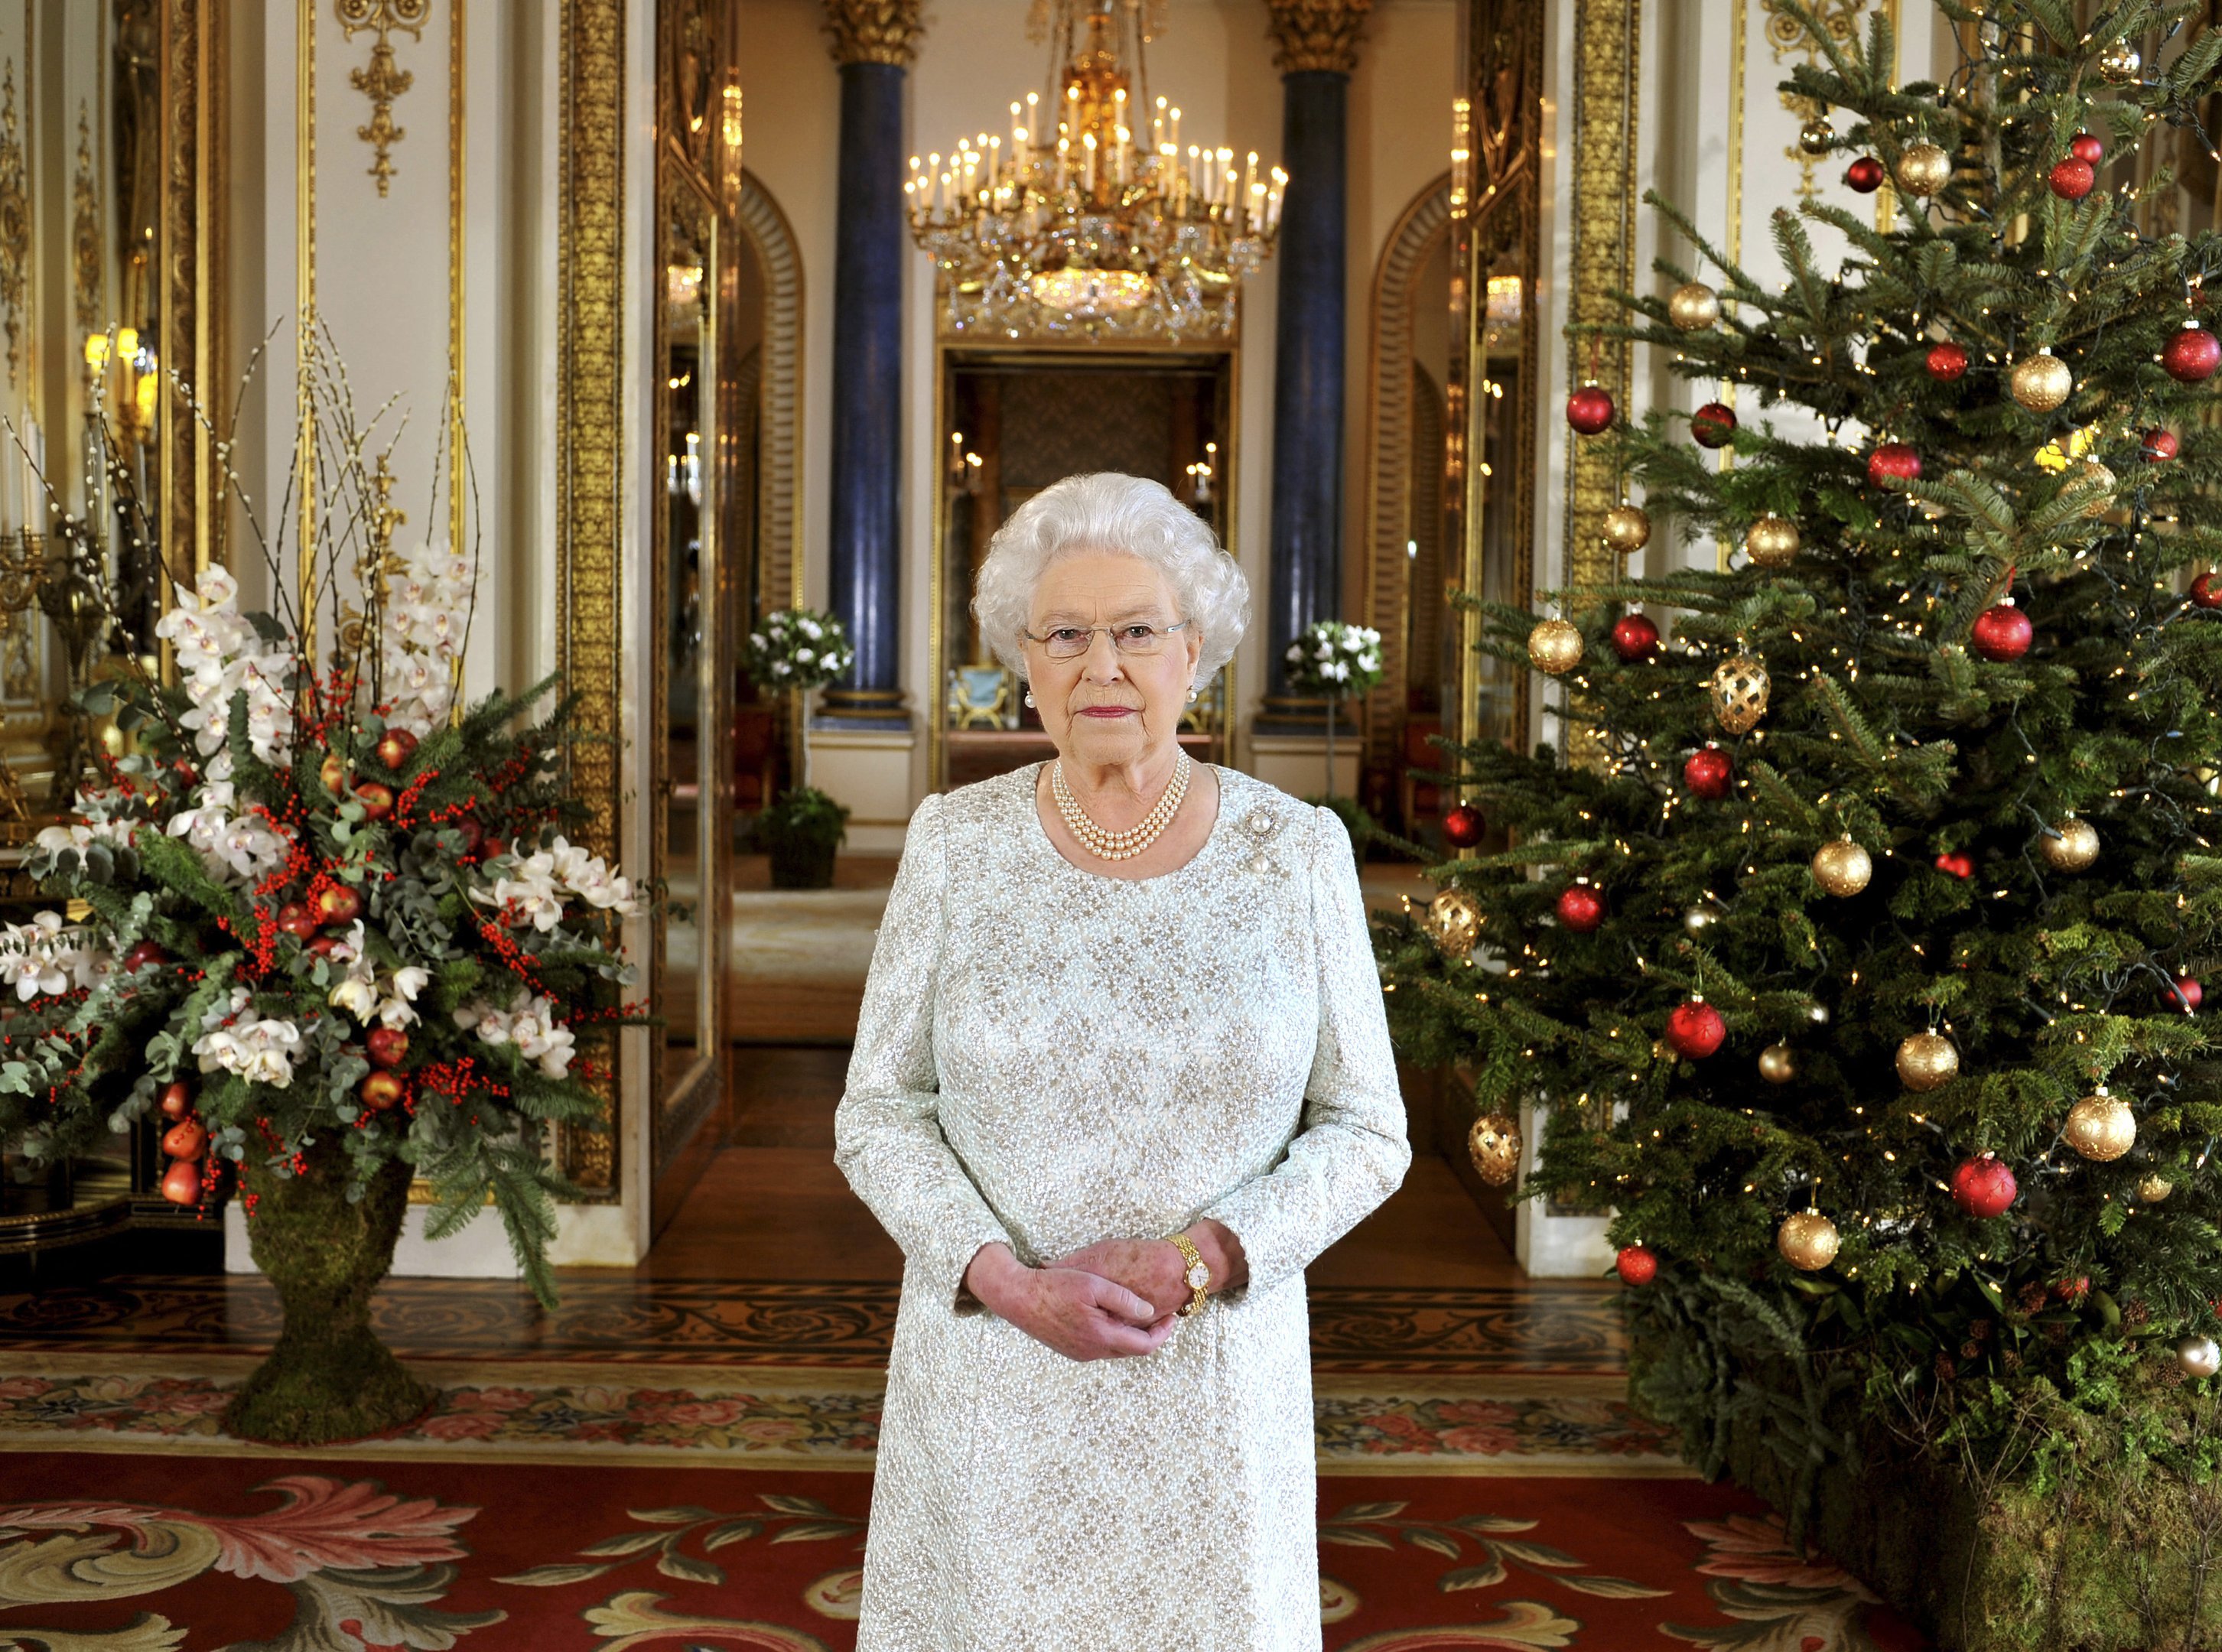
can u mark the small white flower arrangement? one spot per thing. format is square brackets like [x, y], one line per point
[1334, 659]
[799, 648]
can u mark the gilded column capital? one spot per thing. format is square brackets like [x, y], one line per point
[873, 31]
[1316, 34]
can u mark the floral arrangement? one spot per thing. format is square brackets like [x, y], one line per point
[799, 648]
[332, 923]
[1334, 659]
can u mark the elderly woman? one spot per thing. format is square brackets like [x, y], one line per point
[1122, 1071]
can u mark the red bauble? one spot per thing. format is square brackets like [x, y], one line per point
[381, 1091]
[1695, 1029]
[2184, 995]
[1636, 1264]
[1710, 773]
[185, 1140]
[1958, 864]
[1983, 1187]
[181, 1185]
[1894, 462]
[1581, 909]
[2087, 149]
[2203, 594]
[1865, 175]
[2158, 445]
[1947, 361]
[377, 800]
[396, 746]
[177, 1100]
[1463, 826]
[144, 953]
[1712, 425]
[2001, 632]
[1589, 409]
[338, 905]
[2191, 354]
[2072, 178]
[1634, 637]
[388, 1045]
[297, 921]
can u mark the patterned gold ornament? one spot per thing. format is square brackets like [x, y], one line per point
[1556, 647]
[1772, 541]
[1453, 923]
[2070, 847]
[2119, 63]
[1922, 169]
[1807, 1240]
[2102, 1127]
[2198, 1356]
[1842, 868]
[1816, 137]
[1926, 1060]
[1776, 1065]
[1692, 305]
[1494, 1143]
[2092, 474]
[1738, 687]
[2041, 382]
[1627, 529]
[2153, 1187]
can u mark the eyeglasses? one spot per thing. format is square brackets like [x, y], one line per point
[1071, 642]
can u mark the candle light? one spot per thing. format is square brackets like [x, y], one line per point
[1157, 128]
[1250, 176]
[1087, 163]
[1176, 130]
[1063, 155]
[34, 490]
[1254, 219]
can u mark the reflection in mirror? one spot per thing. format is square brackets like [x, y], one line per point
[1499, 401]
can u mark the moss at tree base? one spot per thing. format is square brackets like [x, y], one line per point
[2105, 1563]
[329, 1377]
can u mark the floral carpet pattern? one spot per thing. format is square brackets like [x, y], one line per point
[124, 1553]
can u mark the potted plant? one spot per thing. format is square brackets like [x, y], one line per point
[1335, 661]
[794, 650]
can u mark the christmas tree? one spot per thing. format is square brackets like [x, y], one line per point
[1850, 931]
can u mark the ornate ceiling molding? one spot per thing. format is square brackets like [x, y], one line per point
[873, 31]
[1316, 34]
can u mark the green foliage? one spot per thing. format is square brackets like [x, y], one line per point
[801, 820]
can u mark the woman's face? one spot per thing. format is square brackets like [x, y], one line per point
[1105, 707]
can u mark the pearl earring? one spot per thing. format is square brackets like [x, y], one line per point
[1030, 696]
[1193, 692]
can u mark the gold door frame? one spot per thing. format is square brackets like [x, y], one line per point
[190, 282]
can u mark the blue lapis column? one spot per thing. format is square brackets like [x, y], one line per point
[1318, 50]
[872, 42]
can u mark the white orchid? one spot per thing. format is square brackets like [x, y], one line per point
[260, 1052]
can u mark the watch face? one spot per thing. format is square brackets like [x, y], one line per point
[1198, 1276]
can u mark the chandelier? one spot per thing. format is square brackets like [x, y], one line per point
[1083, 225]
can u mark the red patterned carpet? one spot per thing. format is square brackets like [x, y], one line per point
[107, 1553]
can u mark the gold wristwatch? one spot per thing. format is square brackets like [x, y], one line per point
[1198, 1277]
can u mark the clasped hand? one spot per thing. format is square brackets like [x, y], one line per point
[1115, 1299]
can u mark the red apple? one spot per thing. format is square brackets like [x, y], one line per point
[1947, 361]
[185, 1140]
[333, 772]
[1695, 1029]
[381, 1091]
[1637, 1264]
[144, 953]
[388, 1045]
[1983, 1187]
[297, 921]
[396, 746]
[181, 1183]
[176, 1099]
[1581, 909]
[324, 945]
[1710, 773]
[474, 834]
[338, 906]
[377, 800]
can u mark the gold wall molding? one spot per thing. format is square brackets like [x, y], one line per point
[1786, 35]
[779, 501]
[15, 223]
[458, 468]
[382, 80]
[1316, 34]
[193, 91]
[589, 469]
[87, 245]
[873, 31]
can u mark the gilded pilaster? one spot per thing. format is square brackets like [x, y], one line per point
[873, 31]
[1316, 34]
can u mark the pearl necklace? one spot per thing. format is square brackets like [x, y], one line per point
[1122, 846]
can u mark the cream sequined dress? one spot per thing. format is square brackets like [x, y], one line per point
[1051, 1057]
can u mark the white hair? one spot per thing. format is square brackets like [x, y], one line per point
[1114, 512]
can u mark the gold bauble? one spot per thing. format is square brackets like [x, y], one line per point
[1494, 1142]
[2197, 1356]
[1843, 867]
[1698, 919]
[1807, 1240]
[1776, 1063]
[2102, 1127]
[1453, 923]
[1556, 647]
[1739, 687]
[1627, 529]
[1693, 305]
[2153, 1187]
[1922, 169]
[1772, 541]
[2119, 63]
[1926, 1060]
[2091, 473]
[2071, 847]
[1816, 137]
[2041, 382]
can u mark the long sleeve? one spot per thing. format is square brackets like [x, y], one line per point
[887, 1138]
[1350, 1152]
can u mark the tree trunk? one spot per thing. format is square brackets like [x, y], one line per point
[329, 1377]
